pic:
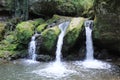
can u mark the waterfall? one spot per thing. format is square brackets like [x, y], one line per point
[32, 47]
[89, 43]
[57, 69]
[63, 27]
[90, 62]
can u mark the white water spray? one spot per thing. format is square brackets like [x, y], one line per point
[90, 62]
[63, 27]
[89, 43]
[32, 48]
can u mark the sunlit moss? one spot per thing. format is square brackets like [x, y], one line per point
[50, 36]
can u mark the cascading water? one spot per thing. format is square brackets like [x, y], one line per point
[32, 48]
[57, 68]
[89, 43]
[63, 28]
[90, 62]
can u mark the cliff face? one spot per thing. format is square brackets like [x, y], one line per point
[62, 7]
[107, 25]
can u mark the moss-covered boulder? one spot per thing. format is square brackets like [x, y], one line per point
[8, 47]
[2, 29]
[73, 31]
[41, 27]
[24, 31]
[6, 54]
[73, 35]
[49, 39]
[107, 25]
[37, 22]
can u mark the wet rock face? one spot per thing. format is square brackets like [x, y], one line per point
[62, 7]
[107, 25]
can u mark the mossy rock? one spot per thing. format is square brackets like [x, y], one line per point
[41, 27]
[12, 55]
[24, 31]
[46, 43]
[37, 22]
[74, 30]
[73, 33]
[10, 38]
[6, 54]
[9, 43]
[50, 36]
[7, 46]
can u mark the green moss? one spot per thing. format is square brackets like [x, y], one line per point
[8, 44]
[7, 54]
[53, 19]
[73, 31]
[8, 47]
[49, 37]
[41, 27]
[37, 22]
[4, 54]
[24, 31]
[10, 38]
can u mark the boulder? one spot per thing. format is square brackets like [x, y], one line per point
[73, 36]
[49, 40]
[24, 31]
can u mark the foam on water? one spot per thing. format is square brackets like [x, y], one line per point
[90, 62]
[96, 64]
[54, 70]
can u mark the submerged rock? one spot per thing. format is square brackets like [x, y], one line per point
[44, 58]
[107, 25]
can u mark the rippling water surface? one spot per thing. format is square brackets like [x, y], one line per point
[31, 70]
